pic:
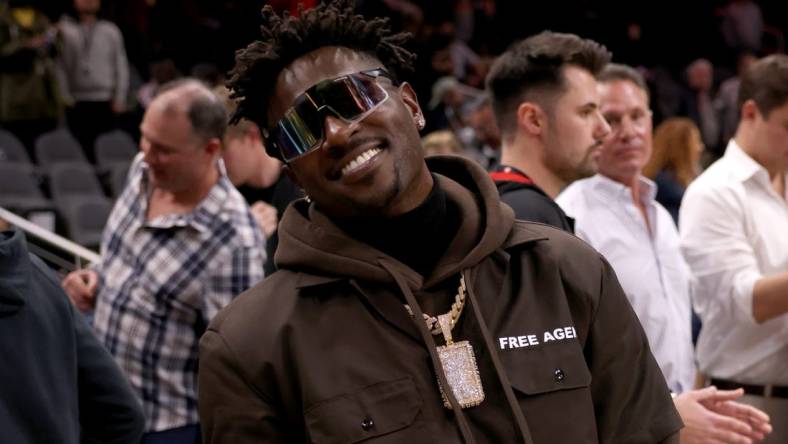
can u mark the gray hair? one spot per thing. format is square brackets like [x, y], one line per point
[204, 109]
[616, 71]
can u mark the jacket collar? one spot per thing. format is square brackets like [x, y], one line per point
[306, 280]
[619, 191]
[524, 233]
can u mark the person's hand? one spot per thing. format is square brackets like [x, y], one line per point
[712, 416]
[758, 420]
[266, 217]
[81, 287]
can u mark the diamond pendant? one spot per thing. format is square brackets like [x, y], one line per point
[462, 373]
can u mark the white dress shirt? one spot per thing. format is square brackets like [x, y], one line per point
[734, 231]
[649, 265]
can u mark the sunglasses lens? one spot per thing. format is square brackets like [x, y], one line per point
[299, 130]
[350, 98]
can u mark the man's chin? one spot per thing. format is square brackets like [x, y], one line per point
[586, 171]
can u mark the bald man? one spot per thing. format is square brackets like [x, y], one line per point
[179, 245]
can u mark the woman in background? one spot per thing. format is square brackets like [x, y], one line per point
[675, 161]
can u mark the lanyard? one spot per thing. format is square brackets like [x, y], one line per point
[509, 174]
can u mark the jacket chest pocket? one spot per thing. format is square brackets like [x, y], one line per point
[547, 368]
[370, 412]
[552, 383]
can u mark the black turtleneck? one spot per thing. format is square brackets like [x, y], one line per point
[418, 238]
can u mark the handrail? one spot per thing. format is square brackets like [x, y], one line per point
[80, 252]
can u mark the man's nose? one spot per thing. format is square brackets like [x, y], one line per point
[602, 128]
[147, 153]
[336, 135]
[627, 128]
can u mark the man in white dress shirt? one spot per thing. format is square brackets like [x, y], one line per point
[734, 235]
[616, 213]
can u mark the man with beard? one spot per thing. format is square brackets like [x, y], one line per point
[547, 108]
[409, 305]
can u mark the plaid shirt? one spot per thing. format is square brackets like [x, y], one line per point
[161, 283]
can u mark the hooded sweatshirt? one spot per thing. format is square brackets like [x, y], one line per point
[323, 351]
[57, 383]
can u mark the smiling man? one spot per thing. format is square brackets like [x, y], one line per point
[409, 306]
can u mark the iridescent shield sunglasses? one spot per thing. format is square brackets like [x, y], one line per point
[350, 97]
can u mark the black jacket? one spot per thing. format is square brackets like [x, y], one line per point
[529, 202]
[57, 383]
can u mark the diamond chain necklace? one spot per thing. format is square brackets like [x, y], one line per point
[456, 310]
[457, 358]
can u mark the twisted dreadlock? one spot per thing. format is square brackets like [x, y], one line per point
[286, 38]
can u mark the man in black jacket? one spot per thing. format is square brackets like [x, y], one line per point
[547, 106]
[58, 383]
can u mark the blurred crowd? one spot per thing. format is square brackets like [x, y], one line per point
[96, 72]
[106, 74]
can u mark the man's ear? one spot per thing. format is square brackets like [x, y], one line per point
[253, 133]
[213, 147]
[749, 110]
[410, 100]
[531, 118]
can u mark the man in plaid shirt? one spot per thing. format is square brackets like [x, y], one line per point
[178, 246]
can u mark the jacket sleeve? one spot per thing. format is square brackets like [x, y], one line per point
[109, 412]
[631, 400]
[231, 410]
[108, 409]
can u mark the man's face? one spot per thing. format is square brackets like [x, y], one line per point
[700, 76]
[772, 133]
[482, 120]
[628, 147]
[575, 129]
[87, 6]
[240, 157]
[393, 180]
[177, 158]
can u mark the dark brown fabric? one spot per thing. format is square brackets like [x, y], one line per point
[323, 350]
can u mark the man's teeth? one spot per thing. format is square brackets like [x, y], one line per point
[360, 160]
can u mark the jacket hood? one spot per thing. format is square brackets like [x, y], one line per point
[310, 242]
[14, 271]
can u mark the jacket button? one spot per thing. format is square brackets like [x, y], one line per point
[559, 375]
[367, 423]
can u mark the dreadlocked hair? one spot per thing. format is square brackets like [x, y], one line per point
[286, 38]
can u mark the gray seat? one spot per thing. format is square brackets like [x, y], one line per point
[70, 181]
[85, 219]
[58, 146]
[114, 147]
[12, 150]
[118, 173]
[19, 191]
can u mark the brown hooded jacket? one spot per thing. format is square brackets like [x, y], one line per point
[323, 351]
